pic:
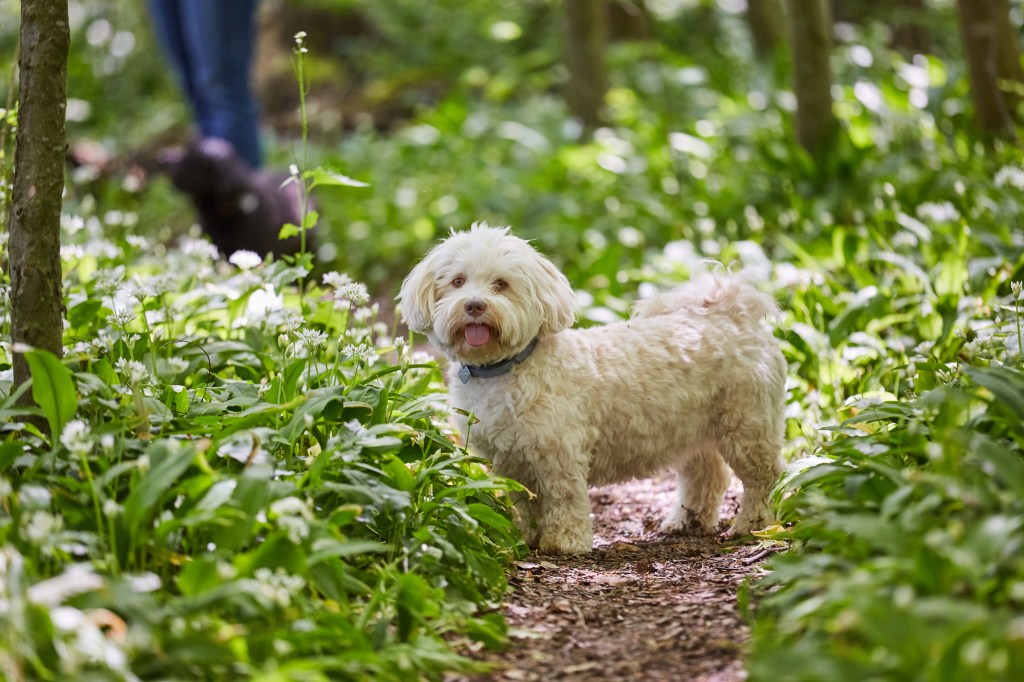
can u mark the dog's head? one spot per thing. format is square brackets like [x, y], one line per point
[208, 169]
[482, 295]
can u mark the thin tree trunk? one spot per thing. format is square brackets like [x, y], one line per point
[909, 34]
[586, 36]
[1008, 57]
[34, 246]
[811, 30]
[628, 20]
[765, 20]
[993, 61]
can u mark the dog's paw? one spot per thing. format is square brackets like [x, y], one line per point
[745, 524]
[683, 521]
[561, 543]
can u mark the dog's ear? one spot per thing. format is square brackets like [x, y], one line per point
[417, 295]
[556, 298]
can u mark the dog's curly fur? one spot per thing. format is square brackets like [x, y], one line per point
[693, 381]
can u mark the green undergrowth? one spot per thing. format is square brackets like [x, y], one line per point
[235, 487]
[250, 482]
[906, 559]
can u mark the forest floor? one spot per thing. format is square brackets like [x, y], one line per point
[642, 606]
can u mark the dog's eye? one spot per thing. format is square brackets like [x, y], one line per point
[500, 285]
[458, 281]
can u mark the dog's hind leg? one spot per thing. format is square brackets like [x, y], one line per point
[754, 456]
[702, 478]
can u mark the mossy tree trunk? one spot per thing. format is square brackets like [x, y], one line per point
[811, 43]
[34, 245]
[766, 22]
[993, 64]
[586, 37]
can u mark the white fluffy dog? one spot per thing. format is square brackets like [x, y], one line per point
[693, 381]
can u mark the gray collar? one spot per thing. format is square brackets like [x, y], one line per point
[498, 368]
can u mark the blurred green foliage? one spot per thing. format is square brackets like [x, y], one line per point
[893, 258]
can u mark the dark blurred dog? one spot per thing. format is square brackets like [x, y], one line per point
[239, 208]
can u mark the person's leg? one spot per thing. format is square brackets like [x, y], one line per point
[167, 26]
[219, 38]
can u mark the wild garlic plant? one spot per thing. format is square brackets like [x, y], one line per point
[230, 461]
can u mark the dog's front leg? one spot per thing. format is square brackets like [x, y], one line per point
[565, 526]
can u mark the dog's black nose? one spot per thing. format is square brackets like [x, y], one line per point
[475, 307]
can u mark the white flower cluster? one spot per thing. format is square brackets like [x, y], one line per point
[87, 640]
[355, 293]
[277, 586]
[336, 280]
[133, 370]
[312, 338]
[177, 365]
[938, 212]
[1010, 175]
[40, 528]
[82, 639]
[292, 515]
[120, 318]
[245, 259]
[75, 437]
[363, 352]
[200, 248]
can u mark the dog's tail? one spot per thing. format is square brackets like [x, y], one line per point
[712, 294]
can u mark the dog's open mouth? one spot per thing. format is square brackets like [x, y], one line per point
[477, 334]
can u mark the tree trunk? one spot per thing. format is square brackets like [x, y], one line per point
[628, 20]
[586, 36]
[908, 33]
[34, 246]
[993, 63]
[811, 42]
[765, 20]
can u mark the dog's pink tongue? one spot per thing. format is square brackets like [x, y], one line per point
[477, 334]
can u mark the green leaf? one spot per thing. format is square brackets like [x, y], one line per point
[167, 464]
[488, 516]
[84, 313]
[105, 371]
[53, 389]
[399, 472]
[489, 629]
[310, 220]
[292, 374]
[327, 548]
[1006, 385]
[288, 230]
[326, 178]
[10, 452]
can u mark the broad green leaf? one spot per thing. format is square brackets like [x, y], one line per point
[167, 464]
[326, 178]
[292, 374]
[399, 472]
[487, 515]
[53, 389]
[326, 548]
[1006, 385]
[310, 220]
[287, 231]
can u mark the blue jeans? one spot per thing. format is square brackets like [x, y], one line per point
[210, 44]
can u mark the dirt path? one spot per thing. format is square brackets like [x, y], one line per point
[643, 606]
